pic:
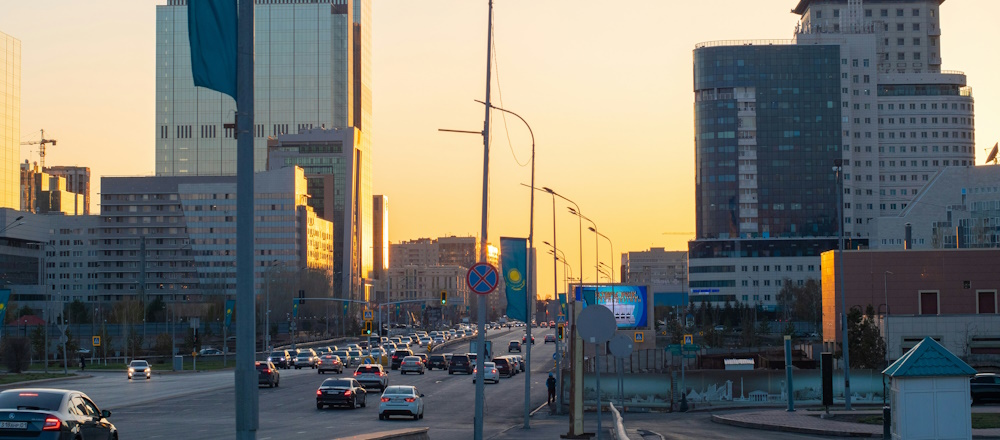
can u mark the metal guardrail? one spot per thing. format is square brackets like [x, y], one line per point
[619, 431]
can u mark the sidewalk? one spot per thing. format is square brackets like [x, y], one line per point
[809, 422]
[545, 425]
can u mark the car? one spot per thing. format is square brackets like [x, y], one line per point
[280, 358]
[267, 374]
[524, 339]
[460, 362]
[306, 358]
[503, 367]
[344, 356]
[552, 324]
[437, 340]
[139, 368]
[490, 373]
[720, 328]
[209, 352]
[347, 392]
[423, 357]
[48, 413]
[550, 338]
[320, 351]
[513, 346]
[438, 361]
[329, 362]
[354, 354]
[424, 341]
[984, 387]
[411, 364]
[397, 357]
[520, 361]
[372, 376]
[401, 400]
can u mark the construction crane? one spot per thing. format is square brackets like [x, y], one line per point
[41, 147]
[678, 233]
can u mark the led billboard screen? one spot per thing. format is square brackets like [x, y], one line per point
[628, 303]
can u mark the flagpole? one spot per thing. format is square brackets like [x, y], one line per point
[247, 401]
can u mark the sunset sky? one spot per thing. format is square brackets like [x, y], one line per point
[606, 87]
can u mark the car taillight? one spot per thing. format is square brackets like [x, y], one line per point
[385, 399]
[267, 371]
[409, 399]
[357, 373]
[52, 424]
[319, 392]
[347, 393]
[494, 370]
[381, 373]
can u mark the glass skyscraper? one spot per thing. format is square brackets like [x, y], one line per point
[10, 122]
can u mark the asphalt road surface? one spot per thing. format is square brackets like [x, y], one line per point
[201, 405]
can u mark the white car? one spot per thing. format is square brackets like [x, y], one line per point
[139, 368]
[424, 341]
[490, 373]
[401, 400]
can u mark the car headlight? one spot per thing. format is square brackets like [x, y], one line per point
[131, 370]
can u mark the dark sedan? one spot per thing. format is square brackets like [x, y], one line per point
[344, 392]
[985, 386]
[42, 413]
[438, 361]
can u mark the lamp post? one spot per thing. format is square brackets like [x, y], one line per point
[838, 169]
[576, 344]
[885, 326]
[17, 222]
[597, 249]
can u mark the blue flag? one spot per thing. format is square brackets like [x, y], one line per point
[212, 31]
[514, 261]
[4, 297]
[295, 307]
[230, 303]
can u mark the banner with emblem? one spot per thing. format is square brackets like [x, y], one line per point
[230, 304]
[514, 263]
[4, 297]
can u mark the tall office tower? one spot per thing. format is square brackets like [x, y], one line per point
[773, 117]
[77, 181]
[338, 192]
[10, 122]
[312, 69]
[380, 235]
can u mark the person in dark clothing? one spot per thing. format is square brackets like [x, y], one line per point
[550, 383]
[83, 363]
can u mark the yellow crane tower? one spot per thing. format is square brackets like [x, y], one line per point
[41, 147]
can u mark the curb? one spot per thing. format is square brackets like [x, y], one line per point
[795, 429]
[38, 381]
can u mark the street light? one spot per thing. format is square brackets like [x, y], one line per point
[597, 249]
[17, 222]
[838, 169]
[576, 344]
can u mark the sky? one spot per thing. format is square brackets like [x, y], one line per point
[607, 92]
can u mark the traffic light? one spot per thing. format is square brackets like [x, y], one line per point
[368, 327]
[302, 296]
[444, 297]
[560, 332]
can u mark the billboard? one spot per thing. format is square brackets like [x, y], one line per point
[628, 303]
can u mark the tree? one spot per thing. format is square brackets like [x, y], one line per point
[16, 354]
[867, 348]
[156, 309]
[38, 342]
[78, 312]
[24, 311]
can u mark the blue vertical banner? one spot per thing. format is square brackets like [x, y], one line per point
[212, 31]
[295, 307]
[4, 297]
[230, 303]
[514, 263]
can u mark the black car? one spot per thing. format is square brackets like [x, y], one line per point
[347, 392]
[267, 374]
[460, 362]
[983, 387]
[397, 357]
[504, 367]
[280, 358]
[514, 346]
[44, 413]
[438, 361]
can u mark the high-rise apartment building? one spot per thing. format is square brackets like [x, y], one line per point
[77, 181]
[860, 86]
[380, 235]
[312, 69]
[10, 121]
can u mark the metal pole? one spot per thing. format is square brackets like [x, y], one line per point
[840, 284]
[555, 292]
[788, 373]
[885, 327]
[267, 306]
[481, 301]
[44, 291]
[576, 352]
[247, 400]
[597, 369]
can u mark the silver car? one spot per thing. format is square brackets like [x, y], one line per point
[306, 358]
[411, 364]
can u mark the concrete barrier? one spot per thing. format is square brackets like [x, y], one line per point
[396, 434]
[619, 428]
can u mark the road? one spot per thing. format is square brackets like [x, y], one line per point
[201, 405]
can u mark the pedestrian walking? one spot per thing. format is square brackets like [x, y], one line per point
[550, 383]
[83, 362]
